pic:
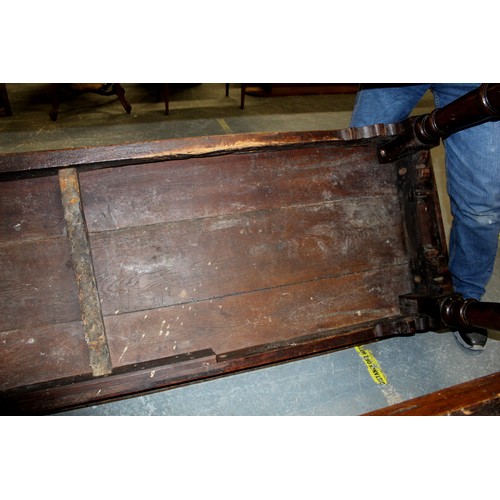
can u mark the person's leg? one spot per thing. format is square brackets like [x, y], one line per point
[473, 176]
[473, 183]
[385, 103]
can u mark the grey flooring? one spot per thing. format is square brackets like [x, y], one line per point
[331, 384]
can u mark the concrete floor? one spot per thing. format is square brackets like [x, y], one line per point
[331, 384]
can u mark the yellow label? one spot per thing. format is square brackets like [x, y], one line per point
[372, 365]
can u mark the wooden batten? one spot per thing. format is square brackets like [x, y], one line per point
[93, 325]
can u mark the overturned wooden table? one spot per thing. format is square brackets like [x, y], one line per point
[138, 267]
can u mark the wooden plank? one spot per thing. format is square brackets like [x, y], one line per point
[243, 320]
[215, 186]
[95, 334]
[30, 209]
[192, 147]
[480, 396]
[51, 397]
[42, 353]
[41, 336]
[38, 285]
[157, 266]
[171, 371]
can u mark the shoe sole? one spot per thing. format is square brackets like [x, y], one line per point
[462, 342]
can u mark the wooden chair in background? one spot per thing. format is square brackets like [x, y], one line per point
[106, 89]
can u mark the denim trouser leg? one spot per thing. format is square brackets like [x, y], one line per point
[473, 178]
[385, 104]
[473, 182]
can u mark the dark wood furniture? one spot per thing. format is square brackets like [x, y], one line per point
[4, 100]
[293, 89]
[138, 267]
[106, 89]
[476, 397]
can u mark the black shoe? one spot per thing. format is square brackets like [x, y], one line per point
[474, 340]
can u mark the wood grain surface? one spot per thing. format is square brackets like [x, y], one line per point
[475, 397]
[203, 256]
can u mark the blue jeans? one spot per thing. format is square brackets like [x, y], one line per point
[472, 175]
